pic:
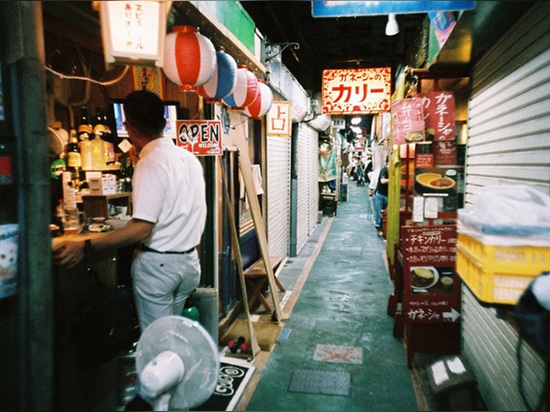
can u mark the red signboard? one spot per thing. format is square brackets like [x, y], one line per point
[431, 292]
[439, 115]
[200, 137]
[407, 121]
[356, 91]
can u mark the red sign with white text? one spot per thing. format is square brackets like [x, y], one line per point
[356, 91]
[200, 137]
[439, 115]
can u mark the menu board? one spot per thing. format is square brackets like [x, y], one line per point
[431, 287]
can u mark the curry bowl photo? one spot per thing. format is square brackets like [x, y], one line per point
[435, 181]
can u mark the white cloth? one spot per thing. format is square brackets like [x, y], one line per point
[168, 190]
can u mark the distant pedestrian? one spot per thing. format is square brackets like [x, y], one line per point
[380, 198]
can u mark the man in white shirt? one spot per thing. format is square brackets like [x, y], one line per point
[168, 215]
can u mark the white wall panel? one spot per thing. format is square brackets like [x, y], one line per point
[278, 191]
[307, 191]
[508, 143]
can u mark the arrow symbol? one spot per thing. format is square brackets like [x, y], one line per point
[453, 315]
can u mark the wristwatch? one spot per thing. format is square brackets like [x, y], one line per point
[88, 248]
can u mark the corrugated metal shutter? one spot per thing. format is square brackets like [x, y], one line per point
[509, 143]
[308, 190]
[278, 195]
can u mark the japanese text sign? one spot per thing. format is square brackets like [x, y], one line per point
[200, 137]
[279, 120]
[439, 115]
[356, 91]
[407, 121]
[133, 30]
[431, 286]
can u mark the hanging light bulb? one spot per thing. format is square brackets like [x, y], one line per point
[392, 28]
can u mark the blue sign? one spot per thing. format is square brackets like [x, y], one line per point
[371, 8]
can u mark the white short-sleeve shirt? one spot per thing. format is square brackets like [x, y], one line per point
[168, 190]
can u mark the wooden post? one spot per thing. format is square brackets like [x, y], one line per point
[235, 239]
[246, 170]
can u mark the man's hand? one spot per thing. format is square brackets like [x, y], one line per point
[68, 253]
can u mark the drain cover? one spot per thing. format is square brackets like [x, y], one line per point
[320, 382]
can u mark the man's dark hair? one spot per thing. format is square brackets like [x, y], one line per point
[145, 111]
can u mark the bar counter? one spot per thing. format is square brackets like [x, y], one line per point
[78, 387]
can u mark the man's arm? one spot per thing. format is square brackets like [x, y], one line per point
[71, 252]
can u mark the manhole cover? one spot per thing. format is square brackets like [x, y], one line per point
[320, 382]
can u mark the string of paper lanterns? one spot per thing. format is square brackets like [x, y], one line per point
[263, 102]
[192, 62]
[189, 57]
[222, 82]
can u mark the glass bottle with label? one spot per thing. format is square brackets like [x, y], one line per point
[73, 153]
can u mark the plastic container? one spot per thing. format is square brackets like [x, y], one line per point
[499, 274]
[98, 153]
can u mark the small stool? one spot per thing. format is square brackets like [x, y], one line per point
[256, 278]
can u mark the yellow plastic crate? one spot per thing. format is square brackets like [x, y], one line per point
[498, 274]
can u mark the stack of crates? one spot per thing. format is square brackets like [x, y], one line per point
[498, 274]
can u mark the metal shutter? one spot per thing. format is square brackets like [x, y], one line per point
[509, 143]
[278, 195]
[308, 189]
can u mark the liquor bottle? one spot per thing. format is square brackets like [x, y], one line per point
[109, 138]
[84, 125]
[74, 160]
[86, 153]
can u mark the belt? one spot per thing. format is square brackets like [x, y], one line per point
[148, 249]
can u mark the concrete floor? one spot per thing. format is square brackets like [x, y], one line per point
[336, 321]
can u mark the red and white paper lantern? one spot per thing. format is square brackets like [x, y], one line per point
[245, 91]
[222, 82]
[189, 57]
[263, 102]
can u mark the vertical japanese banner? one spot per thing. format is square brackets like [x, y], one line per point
[279, 120]
[407, 121]
[439, 115]
[356, 91]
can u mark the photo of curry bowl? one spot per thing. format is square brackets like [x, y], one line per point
[435, 181]
[424, 277]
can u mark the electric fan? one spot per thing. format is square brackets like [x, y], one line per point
[177, 364]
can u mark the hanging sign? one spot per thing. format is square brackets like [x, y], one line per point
[371, 8]
[356, 91]
[431, 285]
[133, 31]
[407, 121]
[200, 137]
[439, 115]
[279, 120]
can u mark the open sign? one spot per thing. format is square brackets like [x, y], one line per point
[200, 137]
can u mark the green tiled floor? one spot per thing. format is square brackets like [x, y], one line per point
[342, 303]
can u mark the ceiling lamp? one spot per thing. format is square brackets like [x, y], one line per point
[222, 82]
[245, 91]
[263, 102]
[392, 28]
[189, 57]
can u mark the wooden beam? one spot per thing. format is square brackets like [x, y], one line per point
[246, 171]
[255, 347]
